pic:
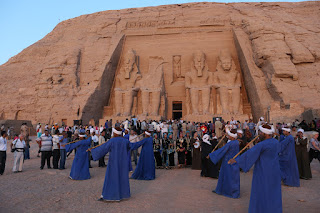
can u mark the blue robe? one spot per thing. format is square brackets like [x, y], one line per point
[80, 164]
[116, 184]
[129, 160]
[266, 180]
[288, 162]
[129, 153]
[229, 177]
[145, 169]
[126, 136]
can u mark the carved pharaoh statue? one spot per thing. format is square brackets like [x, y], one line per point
[152, 86]
[126, 84]
[197, 80]
[227, 79]
[177, 66]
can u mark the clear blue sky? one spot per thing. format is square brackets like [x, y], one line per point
[24, 22]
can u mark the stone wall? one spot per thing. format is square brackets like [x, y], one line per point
[68, 74]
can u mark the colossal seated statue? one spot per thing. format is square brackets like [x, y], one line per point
[197, 79]
[227, 78]
[152, 86]
[126, 84]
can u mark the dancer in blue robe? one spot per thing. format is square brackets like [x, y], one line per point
[116, 184]
[80, 165]
[229, 176]
[282, 137]
[126, 136]
[266, 180]
[145, 169]
[129, 160]
[288, 160]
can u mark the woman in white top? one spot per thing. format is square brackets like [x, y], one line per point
[314, 151]
[18, 146]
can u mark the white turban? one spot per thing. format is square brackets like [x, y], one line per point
[265, 130]
[147, 133]
[286, 129]
[217, 119]
[239, 131]
[300, 130]
[82, 136]
[262, 118]
[116, 131]
[234, 135]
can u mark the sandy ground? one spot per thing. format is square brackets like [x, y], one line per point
[177, 190]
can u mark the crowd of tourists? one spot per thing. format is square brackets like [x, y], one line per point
[176, 143]
[220, 149]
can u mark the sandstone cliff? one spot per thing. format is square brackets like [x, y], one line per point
[69, 73]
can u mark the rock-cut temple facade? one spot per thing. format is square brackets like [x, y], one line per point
[193, 61]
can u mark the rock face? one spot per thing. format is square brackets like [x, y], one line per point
[70, 73]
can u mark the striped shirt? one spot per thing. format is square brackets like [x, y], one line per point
[46, 143]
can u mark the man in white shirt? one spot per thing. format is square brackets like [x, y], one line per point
[91, 129]
[56, 149]
[126, 124]
[3, 151]
[18, 145]
[164, 128]
[95, 139]
[101, 128]
[133, 138]
[233, 123]
[154, 124]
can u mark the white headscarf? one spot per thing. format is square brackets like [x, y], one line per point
[205, 139]
[239, 131]
[300, 130]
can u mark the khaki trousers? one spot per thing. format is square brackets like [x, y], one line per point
[18, 161]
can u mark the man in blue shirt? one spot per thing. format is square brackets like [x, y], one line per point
[251, 126]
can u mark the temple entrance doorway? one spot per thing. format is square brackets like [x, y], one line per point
[176, 110]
